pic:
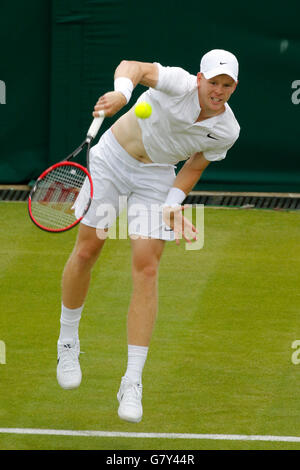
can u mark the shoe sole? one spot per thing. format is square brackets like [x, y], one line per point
[69, 387]
[125, 417]
[128, 418]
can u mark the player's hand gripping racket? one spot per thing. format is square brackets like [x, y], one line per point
[52, 203]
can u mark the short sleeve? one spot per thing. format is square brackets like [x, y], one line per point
[214, 156]
[174, 80]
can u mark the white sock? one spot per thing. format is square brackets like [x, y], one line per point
[69, 324]
[136, 360]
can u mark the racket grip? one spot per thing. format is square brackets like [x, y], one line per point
[95, 126]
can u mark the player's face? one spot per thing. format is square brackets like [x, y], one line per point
[214, 92]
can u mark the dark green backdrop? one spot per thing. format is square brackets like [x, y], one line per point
[58, 57]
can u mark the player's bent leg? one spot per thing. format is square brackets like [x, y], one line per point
[146, 254]
[76, 278]
[77, 272]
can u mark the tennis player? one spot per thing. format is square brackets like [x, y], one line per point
[135, 159]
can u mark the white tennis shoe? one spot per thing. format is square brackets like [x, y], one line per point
[68, 368]
[130, 399]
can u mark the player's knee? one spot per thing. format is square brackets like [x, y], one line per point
[150, 271]
[145, 268]
[87, 253]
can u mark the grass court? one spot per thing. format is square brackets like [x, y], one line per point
[220, 361]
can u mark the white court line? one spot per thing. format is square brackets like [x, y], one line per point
[151, 435]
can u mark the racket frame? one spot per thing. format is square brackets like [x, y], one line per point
[91, 134]
[51, 168]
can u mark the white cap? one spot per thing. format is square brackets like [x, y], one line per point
[218, 62]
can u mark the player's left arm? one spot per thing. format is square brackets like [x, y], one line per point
[184, 182]
[191, 172]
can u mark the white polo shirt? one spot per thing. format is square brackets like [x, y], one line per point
[171, 134]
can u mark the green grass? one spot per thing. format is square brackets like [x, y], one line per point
[220, 357]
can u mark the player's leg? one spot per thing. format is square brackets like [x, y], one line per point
[151, 184]
[77, 272]
[75, 284]
[105, 206]
[146, 254]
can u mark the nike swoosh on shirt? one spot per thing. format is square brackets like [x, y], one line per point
[212, 137]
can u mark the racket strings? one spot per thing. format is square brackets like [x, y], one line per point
[52, 203]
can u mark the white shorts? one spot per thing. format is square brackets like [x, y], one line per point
[123, 183]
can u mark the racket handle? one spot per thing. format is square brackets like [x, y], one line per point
[95, 126]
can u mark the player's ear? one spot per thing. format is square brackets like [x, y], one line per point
[199, 76]
[235, 85]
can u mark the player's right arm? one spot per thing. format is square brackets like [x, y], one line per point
[142, 73]
[173, 81]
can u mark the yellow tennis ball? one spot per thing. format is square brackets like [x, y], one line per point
[143, 110]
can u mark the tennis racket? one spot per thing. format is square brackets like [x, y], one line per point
[56, 202]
